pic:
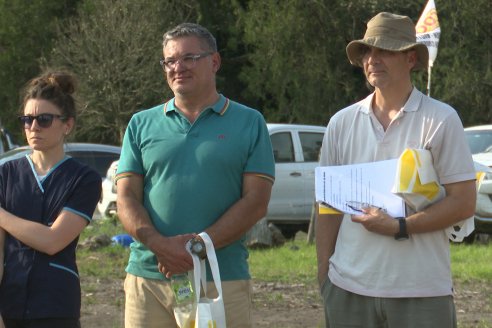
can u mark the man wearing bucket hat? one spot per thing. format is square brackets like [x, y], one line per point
[374, 270]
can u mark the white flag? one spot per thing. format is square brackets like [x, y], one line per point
[429, 31]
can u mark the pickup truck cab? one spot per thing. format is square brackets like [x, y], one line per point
[296, 152]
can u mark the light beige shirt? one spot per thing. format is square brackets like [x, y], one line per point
[371, 264]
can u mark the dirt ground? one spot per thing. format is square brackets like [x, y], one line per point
[276, 305]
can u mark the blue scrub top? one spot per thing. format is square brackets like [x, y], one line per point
[35, 284]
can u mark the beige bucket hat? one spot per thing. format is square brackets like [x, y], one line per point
[389, 32]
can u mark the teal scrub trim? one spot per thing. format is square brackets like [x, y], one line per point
[64, 268]
[38, 179]
[88, 218]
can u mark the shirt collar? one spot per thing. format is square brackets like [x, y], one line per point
[412, 104]
[220, 107]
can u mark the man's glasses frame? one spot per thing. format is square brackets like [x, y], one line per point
[44, 120]
[188, 61]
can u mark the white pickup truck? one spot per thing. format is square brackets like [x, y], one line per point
[296, 151]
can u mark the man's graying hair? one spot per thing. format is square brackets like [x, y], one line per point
[191, 29]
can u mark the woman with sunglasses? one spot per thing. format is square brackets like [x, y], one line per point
[46, 200]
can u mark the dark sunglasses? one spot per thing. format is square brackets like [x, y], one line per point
[44, 120]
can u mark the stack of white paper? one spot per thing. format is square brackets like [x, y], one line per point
[349, 187]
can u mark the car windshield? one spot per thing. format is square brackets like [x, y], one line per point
[479, 141]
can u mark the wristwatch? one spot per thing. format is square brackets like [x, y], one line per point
[402, 233]
[197, 246]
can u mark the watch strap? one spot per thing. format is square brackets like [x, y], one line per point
[402, 233]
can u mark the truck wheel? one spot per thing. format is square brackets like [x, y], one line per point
[470, 239]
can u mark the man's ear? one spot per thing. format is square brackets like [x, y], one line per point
[216, 61]
[412, 59]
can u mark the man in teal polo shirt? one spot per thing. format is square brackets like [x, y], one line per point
[199, 162]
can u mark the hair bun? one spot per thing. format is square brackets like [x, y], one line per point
[64, 81]
[54, 86]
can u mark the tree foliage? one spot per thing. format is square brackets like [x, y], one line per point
[27, 29]
[462, 75]
[298, 66]
[300, 73]
[286, 58]
[223, 19]
[114, 48]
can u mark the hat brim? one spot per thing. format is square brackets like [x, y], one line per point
[355, 50]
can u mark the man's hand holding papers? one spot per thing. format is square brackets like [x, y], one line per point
[347, 187]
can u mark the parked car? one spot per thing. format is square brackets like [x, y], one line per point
[107, 203]
[479, 138]
[296, 151]
[97, 156]
[480, 141]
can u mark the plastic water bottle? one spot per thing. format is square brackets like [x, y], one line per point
[184, 298]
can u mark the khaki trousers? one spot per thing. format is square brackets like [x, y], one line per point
[149, 303]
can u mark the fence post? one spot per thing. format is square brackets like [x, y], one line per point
[311, 230]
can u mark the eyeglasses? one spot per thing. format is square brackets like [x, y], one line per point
[44, 120]
[188, 61]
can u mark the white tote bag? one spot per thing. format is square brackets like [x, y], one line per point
[210, 312]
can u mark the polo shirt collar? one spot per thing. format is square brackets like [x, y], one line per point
[220, 107]
[412, 104]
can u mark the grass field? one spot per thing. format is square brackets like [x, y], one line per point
[472, 262]
[294, 263]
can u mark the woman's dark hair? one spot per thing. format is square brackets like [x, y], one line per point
[55, 87]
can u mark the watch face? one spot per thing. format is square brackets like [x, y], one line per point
[197, 247]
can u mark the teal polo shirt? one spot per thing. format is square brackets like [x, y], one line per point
[193, 173]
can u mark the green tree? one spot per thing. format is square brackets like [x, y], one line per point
[298, 68]
[299, 72]
[114, 48]
[286, 58]
[462, 73]
[223, 19]
[27, 29]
